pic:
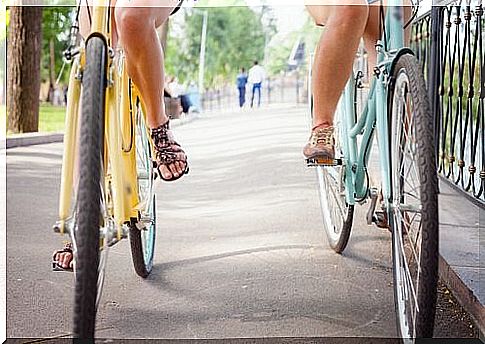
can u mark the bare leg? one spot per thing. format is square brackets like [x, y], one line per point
[136, 27]
[335, 55]
[372, 34]
[144, 58]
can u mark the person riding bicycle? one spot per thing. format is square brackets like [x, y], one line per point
[144, 61]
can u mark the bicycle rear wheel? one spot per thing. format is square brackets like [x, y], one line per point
[142, 234]
[336, 212]
[414, 209]
[89, 214]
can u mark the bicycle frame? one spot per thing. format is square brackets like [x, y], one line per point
[120, 174]
[374, 115]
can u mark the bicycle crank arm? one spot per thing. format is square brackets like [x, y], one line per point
[370, 217]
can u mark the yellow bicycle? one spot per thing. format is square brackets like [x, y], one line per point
[107, 190]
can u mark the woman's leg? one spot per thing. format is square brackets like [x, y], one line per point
[334, 57]
[143, 50]
[136, 22]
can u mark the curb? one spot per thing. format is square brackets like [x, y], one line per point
[463, 294]
[31, 139]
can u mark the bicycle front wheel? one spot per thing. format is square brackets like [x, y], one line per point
[142, 234]
[414, 205]
[89, 214]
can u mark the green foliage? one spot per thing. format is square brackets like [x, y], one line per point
[280, 49]
[56, 23]
[235, 38]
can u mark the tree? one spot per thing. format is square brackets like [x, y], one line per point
[56, 24]
[3, 42]
[280, 49]
[23, 73]
[235, 38]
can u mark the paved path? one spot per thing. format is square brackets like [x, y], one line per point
[240, 251]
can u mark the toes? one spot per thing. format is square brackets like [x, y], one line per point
[181, 162]
[174, 169]
[165, 172]
[63, 259]
[66, 259]
[178, 165]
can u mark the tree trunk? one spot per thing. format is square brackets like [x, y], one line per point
[24, 46]
[52, 71]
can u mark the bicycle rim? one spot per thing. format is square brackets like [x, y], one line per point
[142, 238]
[413, 214]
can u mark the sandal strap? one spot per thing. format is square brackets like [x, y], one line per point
[67, 248]
[167, 149]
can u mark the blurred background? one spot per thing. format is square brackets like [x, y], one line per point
[205, 49]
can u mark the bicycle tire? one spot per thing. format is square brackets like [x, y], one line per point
[89, 190]
[413, 322]
[142, 241]
[337, 230]
[142, 248]
[338, 235]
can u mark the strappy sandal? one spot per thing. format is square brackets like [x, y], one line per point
[167, 151]
[55, 263]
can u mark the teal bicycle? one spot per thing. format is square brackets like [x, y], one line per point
[397, 111]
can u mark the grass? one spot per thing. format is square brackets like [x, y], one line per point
[51, 118]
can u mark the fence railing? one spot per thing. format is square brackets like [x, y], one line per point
[290, 88]
[449, 42]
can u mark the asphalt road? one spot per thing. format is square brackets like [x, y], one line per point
[240, 252]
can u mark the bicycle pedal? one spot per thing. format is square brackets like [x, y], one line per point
[313, 162]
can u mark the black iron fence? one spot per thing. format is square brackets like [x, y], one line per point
[449, 42]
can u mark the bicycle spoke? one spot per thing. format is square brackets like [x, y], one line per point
[406, 266]
[335, 197]
[408, 225]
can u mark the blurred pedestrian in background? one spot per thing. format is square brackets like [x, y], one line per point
[256, 77]
[241, 81]
[194, 96]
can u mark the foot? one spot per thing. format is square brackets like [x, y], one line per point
[321, 143]
[170, 158]
[63, 260]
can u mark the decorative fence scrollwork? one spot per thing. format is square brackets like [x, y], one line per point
[449, 42]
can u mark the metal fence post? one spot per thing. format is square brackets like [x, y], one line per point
[434, 68]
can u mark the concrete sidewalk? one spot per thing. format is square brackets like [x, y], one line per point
[461, 241]
[461, 268]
